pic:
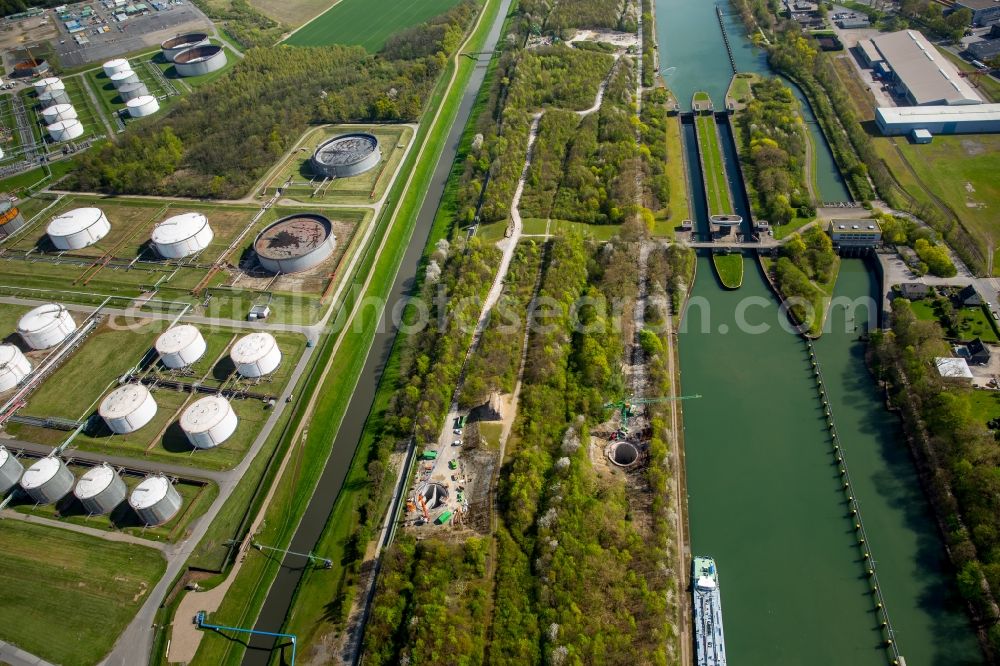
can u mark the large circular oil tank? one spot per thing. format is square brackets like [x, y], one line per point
[209, 422]
[10, 470]
[100, 489]
[130, 91]
[182, 235]
[200, 60]
[53, 97]
[49, 83]
[346, 155]
[180, 346]
[47, 481]
[58, 112]
[256, 355]
[175, 45]
[155, 500]
[140, 107]
[46, 326]
[78, 228]
[124, 77]
[14, 367]
[112, 67]
[295, 243]
[10, 219]
[65, 130]
[128, 408]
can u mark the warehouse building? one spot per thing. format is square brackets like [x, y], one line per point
[917, 72]
[984, 12]
[984, 50]
[978, 119]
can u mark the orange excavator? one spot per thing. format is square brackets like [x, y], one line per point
[423, 507]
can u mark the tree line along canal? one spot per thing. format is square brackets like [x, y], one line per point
[765, 492]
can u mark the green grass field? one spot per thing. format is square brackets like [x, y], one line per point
[359, 22]
[729, 268]
[713, 170]
[68, 596]
[962, 171]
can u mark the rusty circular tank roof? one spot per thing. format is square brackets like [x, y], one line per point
[293, 236]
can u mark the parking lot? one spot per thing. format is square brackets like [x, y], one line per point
[93, 32]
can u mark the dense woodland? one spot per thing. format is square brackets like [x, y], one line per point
[959, 452]
[8, 7]
[805, 262]
[244, 23]
[219, 140]
[773, 151]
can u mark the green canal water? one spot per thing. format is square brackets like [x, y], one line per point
[765, 494]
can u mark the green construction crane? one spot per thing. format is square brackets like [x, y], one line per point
[625, 406]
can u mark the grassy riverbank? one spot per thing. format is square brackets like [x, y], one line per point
[729, 268]
[712, 166]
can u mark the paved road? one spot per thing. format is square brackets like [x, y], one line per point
[15, 656]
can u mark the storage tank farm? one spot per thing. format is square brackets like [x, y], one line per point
[11, 219]
[14, 367]
[256, 355]
[346, 155]
[180, 346]
[47, 481]
[100, 489]
[155, 500]
[143, 106]
[78, 228]
[182, 235]
[209, 422]
[176, 45]
[200, 60]
[10, 470]
[127, 408]
[58, 112]
[295, 243]
[46, 326]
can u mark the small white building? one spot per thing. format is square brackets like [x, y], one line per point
[953, 368]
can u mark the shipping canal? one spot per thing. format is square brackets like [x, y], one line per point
[765, 494]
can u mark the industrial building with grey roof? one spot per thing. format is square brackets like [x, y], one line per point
[918, 72]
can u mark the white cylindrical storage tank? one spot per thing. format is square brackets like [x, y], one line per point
[100, 490]
[200, 60]
[49, 83]
[209, 422]
[130, 91]
[182, 235]
[65, 130]
[141, 107]
[46, 326]
[58, 112]
[124, 77]
[47, 481]
[14, 367]
[128, 408]
[256, 355]
[112, 67]
[180, 346]
[155, 501]
[175, 45]
[52, 97]
[78, 228]
[10, 470]
[11, 218]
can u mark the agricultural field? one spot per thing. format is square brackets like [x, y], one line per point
[196, 498]
[714, 173]
[107, 354]
[86, 589]
[365, 188]
[355, 22]
[962, 171]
